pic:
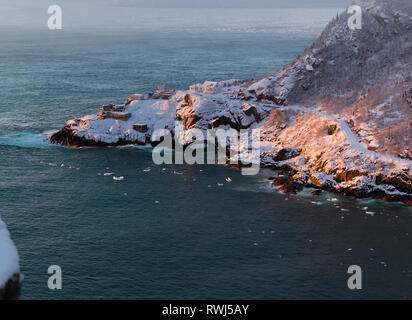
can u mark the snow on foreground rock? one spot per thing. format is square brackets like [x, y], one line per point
[9, 266]
[338, 117]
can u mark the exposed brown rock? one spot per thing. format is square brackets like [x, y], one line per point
[286, 184]
[12, 289]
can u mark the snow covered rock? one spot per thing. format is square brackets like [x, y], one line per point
[10, 279]
[337, 117]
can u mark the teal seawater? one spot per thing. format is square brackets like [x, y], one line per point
[171, 232]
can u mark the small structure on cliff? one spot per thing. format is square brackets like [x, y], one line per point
[162, 92]
[114, 112]
[140, 127]
[138, 97]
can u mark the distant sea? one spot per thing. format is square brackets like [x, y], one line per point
[172, 232]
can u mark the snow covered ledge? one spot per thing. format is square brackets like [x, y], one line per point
[10, 278]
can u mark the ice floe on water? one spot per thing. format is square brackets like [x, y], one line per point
[318, 203]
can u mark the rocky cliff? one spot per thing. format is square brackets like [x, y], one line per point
[338, 117]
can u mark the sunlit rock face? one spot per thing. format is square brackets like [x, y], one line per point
[10, 278]
[338, 117]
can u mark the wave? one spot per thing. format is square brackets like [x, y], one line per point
[26, 139]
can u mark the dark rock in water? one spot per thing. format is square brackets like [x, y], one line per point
[286, 184]
[12, 289]
[317, 192]
[68, 138]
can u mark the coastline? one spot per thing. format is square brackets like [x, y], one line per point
[321, 123]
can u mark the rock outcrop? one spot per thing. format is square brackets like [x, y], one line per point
[338, 117]
[10, 278]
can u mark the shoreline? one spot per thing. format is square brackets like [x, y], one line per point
[283, 183]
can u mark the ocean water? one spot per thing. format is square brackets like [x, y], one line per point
[173, 232]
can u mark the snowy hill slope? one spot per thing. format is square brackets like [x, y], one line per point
[338, 117]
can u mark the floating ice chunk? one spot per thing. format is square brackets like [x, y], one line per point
[220, 184]
[108, 174]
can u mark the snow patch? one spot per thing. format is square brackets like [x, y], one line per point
[9, 258]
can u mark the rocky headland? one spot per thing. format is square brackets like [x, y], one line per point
[338, 117]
